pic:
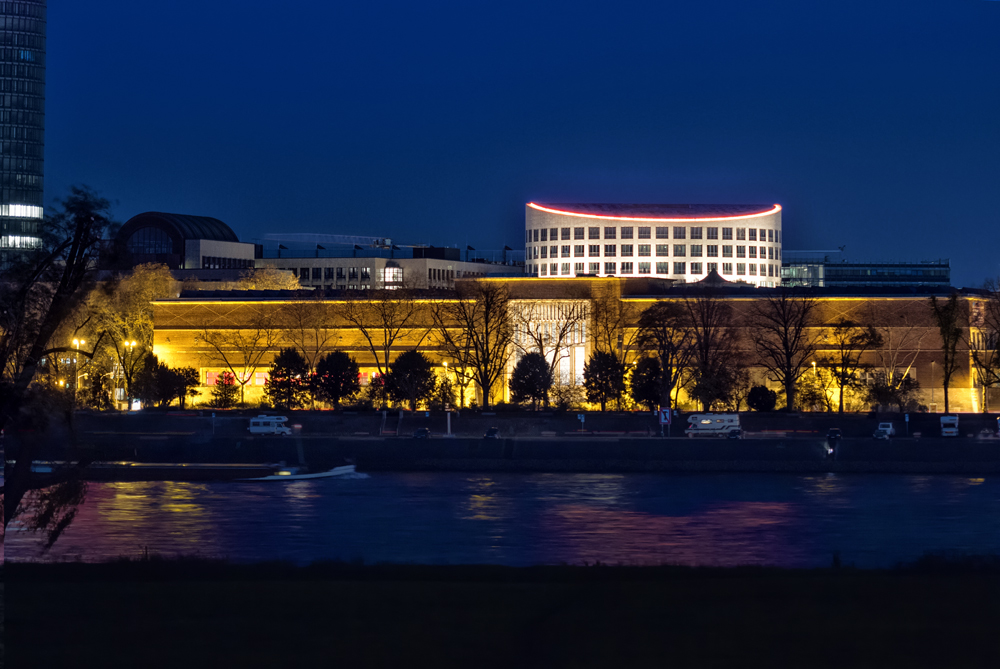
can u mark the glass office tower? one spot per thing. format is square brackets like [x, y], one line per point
[22, 123]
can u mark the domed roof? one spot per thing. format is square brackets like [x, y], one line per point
[180, 226]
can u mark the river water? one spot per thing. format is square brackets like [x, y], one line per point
[526, 519]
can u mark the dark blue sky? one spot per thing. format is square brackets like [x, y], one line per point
[875, 124]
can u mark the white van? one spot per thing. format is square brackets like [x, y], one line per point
[269, 425]
[712, 424]
[949, 426]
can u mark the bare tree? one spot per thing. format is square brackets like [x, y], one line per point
[846, 344]
[309, 326]
[550, 328]
[665, 329]
[902, 333]
[783, 331]
[947, 316]
[242, 348]
[384, 318]
[715, 346]
[40, 291]
[612, 329]
[742, 382]
[984, 340]
[476, 330]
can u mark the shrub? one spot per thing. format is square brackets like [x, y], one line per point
[762, 398]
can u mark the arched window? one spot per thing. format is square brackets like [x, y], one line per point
[149, 241]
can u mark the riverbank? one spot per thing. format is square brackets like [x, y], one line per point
[123, 458]
[528, 442]
[205, 614]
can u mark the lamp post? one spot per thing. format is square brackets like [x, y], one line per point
[130, 345]
[77, 343]
[932, 386]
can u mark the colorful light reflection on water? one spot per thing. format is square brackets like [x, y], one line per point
[523, 519]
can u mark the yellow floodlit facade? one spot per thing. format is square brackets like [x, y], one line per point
[539, 310]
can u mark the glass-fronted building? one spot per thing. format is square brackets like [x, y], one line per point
[22, 124]
[829, 269]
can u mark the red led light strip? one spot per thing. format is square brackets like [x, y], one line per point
[539, 207]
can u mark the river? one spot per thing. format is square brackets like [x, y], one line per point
[527, 519]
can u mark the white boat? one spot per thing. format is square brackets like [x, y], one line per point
[300, 474]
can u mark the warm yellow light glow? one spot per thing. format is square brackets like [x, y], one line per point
[773, 210]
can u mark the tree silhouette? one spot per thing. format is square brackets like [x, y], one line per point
[762, 398]
[531, 379]
[287, 386]
[476, 331]
[665, 329]
[604, 378]
[850, 341]
[336, 378]
[646, 383]
[946, 316]
[224, 391]
[411, 379]
[41, 289]
[782, 328]
[714, 346]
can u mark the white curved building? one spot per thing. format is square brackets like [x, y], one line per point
[683, 242]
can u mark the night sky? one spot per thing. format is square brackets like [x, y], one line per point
[875, 124]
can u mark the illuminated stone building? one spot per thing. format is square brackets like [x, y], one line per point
[544, 304]
[679, 242]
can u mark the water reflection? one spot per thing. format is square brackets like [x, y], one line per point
[483, 503]
[725, 535]
[709, 519]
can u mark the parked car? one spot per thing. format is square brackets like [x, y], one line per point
[881, 434]
[421, 433]
[492, 433]
[888, 428]
[833, 434]
[735, 433]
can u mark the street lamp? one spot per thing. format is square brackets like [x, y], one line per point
[130, 345]
[77, 343]
[932, 385]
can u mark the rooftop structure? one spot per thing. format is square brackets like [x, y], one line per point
[828, 269]
[181, 241]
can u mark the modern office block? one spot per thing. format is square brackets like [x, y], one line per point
[22, 124]
[684, 243]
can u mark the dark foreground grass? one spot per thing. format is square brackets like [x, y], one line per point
[209, 614]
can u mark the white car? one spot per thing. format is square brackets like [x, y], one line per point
[887, 428]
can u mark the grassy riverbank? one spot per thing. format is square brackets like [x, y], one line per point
[207, 614]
